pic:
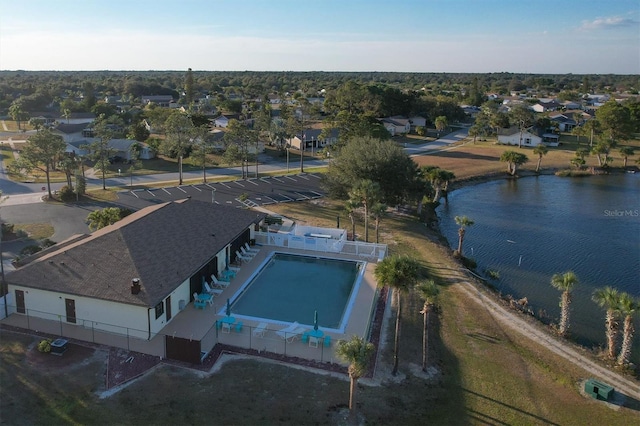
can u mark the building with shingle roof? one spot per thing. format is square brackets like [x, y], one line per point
[169, 248]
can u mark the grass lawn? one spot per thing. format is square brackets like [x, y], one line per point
[488, 374]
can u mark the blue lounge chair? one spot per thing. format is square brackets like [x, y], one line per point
[327, 341]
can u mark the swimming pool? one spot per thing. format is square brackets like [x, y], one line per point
[290, 287]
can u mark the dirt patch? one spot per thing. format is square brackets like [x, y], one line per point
[75, 356]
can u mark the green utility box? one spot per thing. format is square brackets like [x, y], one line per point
[598, 390]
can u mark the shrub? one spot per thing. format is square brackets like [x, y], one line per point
[44, 346]
[67, 194]
[30, 249]
[46, 243]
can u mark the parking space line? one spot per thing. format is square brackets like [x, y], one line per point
[210, 186]
[318, 195]
[225, 185]
[304, 197]
[315, 176]
[250, 181]
[274, 201]
[288, 198]
[289, 177]
[303, 177]
[152, 194]
[264, 179]
[239, 184]
[279, 180]
[193, 186]
[165, 190]
[134, 194]
[181, 189]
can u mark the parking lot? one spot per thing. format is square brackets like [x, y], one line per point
[253, 192]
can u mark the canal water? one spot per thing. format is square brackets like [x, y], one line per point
[531, 228]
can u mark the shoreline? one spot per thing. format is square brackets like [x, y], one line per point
[506, 300]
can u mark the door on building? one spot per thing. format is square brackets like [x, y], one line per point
[71, 310]
[21, 308]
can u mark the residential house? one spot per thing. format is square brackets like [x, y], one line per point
[135, 277]
[547, 106]
[530, 137]
[76, 118]
[417, 121]
[164, 101]
[565, 122]
[312, 139]
[396, 125]
[223, 120]
[119, 147]
[72, 132]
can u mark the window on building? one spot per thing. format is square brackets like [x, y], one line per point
[159, 310]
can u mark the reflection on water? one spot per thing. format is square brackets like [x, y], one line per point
[531, 228]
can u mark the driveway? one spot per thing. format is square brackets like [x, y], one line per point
[442, 143]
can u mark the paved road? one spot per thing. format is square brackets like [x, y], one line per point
[440, 144]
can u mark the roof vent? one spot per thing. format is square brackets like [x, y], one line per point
[135, 286]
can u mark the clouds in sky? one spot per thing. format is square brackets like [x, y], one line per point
[612, 22]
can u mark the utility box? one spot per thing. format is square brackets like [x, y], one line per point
[59, 346]
[598, 390]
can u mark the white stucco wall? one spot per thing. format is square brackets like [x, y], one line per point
[515, 139]
[100, 314]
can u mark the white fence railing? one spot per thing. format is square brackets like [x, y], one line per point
[369, 251]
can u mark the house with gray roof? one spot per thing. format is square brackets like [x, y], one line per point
[531, 137]
[133, 277]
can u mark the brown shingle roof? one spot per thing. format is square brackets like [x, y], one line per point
[163, 245]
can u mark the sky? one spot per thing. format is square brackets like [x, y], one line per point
[466, 36]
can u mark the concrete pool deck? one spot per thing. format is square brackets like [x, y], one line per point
[199, 324]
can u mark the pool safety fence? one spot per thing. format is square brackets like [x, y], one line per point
[360, 249]
[259, 338]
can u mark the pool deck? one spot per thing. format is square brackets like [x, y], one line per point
[199, 324]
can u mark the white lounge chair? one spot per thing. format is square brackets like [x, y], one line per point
[242, 257]
[259, 330]
[291, 332]
[247, 253]
[212, 291]
[250, 249]
[218, 283]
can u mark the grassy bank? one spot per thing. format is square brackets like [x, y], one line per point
[487, 374]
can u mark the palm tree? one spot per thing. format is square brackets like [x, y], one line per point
[350, 206]
[540, 150]
[564, 283]
[626, 152]
[439, 179]
[400, 273]
[441, 123]
[628, 308]
[365, 193]
[428, 292]
[463, 222]
[357, 352]
[378, 211]
[513, 160]
[608, 298]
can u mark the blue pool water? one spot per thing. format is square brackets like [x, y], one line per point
[288, 288]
